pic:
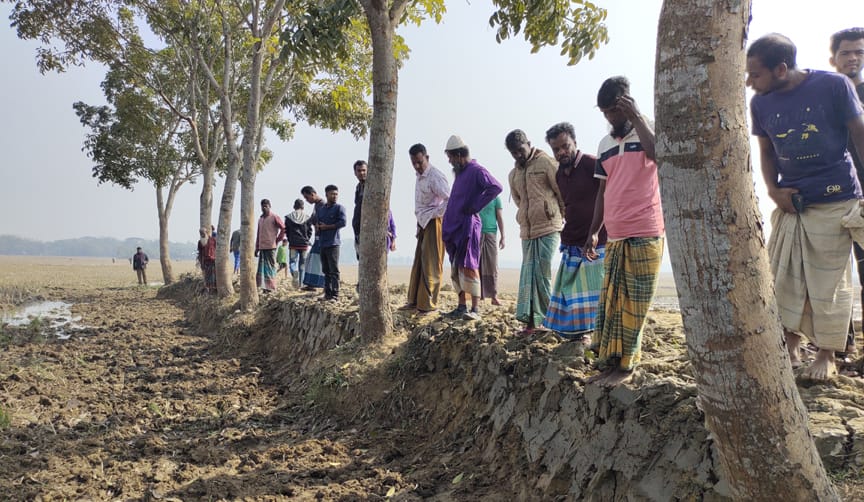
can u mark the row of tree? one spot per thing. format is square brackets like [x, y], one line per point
[89, 246]
[192, 84]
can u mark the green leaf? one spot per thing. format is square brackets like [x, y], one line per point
[458, 478]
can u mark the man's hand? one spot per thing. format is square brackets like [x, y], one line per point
[783, 198]
[628, 107]
[590, 249]
[256, 253]
[501, 242]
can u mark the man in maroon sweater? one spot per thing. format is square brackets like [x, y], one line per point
[573, 305]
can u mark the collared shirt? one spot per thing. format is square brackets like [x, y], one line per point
[473, 188]
[579, 189]
[271, 230]
[431, 194]
[632, 197]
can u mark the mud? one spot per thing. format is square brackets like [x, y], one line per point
[174, 396]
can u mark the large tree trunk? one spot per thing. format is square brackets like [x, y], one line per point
[164, 250]
[376, 319]
[744, 376]
[208, 175]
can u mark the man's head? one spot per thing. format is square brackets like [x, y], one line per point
[309, 194]
[457, 153]
[610, 91]
[518, 145]
[847, 53]
[419, 158]
[770, 62]
[285, 241]
[139, 249]
[360, 169]
[298, 204]
[265, 207]
[332, 193]
[562, 140]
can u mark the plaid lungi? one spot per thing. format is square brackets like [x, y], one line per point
[535, 281]
[266, 276]
[573, 305]
[632, 271]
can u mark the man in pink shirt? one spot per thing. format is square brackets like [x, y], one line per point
[271, 231]
[628, 203]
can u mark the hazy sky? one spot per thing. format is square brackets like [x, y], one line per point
[457, 81]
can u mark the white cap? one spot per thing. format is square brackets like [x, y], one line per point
[455, 143]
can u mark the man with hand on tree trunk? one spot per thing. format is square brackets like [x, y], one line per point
[803, 120]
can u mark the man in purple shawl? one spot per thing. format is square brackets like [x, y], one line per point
[472, 189]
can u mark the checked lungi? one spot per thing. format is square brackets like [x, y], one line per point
[535, 280]
[632, 271]
[266, 275]
[573, 305]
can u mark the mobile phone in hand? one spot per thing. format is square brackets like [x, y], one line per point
[798, 202]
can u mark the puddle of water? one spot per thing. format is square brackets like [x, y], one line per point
[56, 316]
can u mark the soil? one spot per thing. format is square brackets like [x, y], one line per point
[149, 402]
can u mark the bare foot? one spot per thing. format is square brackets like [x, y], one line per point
[823, 368]
[495, 301]
[615, 377]
[793, 344]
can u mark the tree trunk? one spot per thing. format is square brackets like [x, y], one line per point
[164, 249]
[208, 175]
[224, 263]
[376, 319]
[734, 338]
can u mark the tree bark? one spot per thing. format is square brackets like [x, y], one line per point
[376, 319]
[164, 211]
[734, 338]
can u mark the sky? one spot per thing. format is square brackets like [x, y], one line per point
[458, 80]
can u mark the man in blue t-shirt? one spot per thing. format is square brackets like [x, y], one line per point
[802, 119]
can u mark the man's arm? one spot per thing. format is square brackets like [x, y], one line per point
[596, 222]
[499, 216]
[856, 133]
[643, 130]
[767, 162]
[514, 194]
[551, 171]
[281, 225]
[391, 229]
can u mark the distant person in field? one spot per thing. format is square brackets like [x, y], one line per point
[329, 218]
[540, 210]
[235, 249]
[139, 265]
[473, 188]
[271, 230]
[207, 259]
[298, 229]
[361, 169]
[573, 305]
[491, 223]
[804, 120]
[282, 258]
[431, 192]
[314, 276]
[847, 57]
[628, 203]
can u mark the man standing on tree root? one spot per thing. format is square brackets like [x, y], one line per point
[847, 57]
[540, 210]
[803, 119]
[430, 200]
[628, 203]
[472, 189]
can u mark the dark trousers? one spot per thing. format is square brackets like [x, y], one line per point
[330, 267]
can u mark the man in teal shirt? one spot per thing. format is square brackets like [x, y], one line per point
[491, 222]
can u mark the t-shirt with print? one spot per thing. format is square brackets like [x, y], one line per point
[488, 221]
[807, 126]
[632, 196]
